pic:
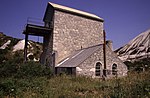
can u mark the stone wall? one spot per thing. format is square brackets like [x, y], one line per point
[112, 58]
[72, 32]
[46, 56]
[87, 68]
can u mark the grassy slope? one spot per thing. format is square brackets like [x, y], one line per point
[135, 85]
[32, 80]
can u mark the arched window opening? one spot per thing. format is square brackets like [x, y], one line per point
[114, 69]
[98, 69]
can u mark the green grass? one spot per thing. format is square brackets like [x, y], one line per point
[135, 85]
[33, 80]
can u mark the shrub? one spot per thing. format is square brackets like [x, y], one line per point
[8, 88]
[15, 66]
[139, 65]
[8, 70]
[33, 69]
[11, 65]
[2, 55]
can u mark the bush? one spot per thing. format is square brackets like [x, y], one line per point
[10, 66]
[8, 69]
[8, 88]
[3, 52]
[24, 70]
[139, 65]
[15, 66]
[33, 69]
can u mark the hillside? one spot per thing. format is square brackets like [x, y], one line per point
[138, 48]
[33, 80]
[9, 46]
[7, 41]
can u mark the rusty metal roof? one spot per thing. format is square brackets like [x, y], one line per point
[78, 56]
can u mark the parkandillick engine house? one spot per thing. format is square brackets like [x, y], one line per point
[73, 43]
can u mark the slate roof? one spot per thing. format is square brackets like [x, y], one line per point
[75, 11]
[78, 56]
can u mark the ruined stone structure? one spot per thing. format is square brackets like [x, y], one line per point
[74, 43]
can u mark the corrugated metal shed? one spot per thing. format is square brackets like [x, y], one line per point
[78, 57]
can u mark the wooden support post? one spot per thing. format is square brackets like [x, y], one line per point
[104, 53]
[148, 48]
[25, 47]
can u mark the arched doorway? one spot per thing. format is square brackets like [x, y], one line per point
[114, 69]
[98, 69]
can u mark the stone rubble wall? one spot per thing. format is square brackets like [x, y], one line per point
[72, 32]
[87, 68]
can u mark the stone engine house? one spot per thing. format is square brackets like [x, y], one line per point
[73, 43]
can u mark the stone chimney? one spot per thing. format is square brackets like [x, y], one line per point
[109, 44]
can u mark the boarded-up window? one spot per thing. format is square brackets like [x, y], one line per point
[98, 69]
[114, 69]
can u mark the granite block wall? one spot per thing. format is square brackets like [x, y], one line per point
[72, 32]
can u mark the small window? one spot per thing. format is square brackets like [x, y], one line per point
[98, 69]
[114, 69]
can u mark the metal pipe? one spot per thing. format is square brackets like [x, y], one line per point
[104, 53]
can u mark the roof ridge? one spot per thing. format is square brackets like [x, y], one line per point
[89, 47]
[68, 9]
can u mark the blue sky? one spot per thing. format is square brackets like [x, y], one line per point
[123, 19]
